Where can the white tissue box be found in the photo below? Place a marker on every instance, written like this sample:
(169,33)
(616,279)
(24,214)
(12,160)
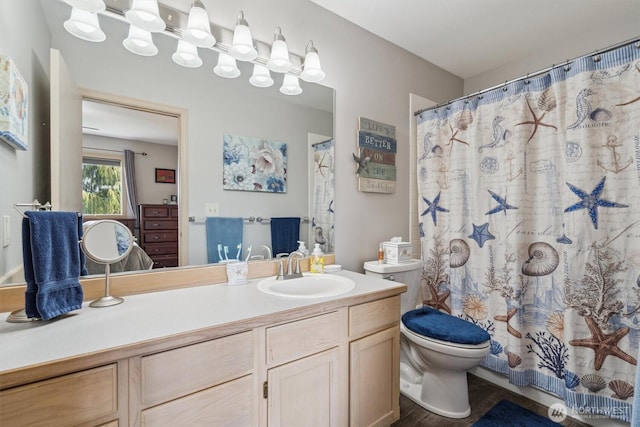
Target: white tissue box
(237,273)
(397,252)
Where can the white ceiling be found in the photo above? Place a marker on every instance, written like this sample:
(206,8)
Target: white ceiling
(119,122)
(469,37)
(464,37)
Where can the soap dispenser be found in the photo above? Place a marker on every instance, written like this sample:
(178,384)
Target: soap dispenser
(303,249)
(316,264)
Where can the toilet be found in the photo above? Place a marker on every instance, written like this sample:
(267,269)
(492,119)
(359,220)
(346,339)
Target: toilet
(436,351)
(433,362)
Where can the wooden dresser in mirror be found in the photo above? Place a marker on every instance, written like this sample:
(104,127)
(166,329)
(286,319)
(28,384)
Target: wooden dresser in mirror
(159,234)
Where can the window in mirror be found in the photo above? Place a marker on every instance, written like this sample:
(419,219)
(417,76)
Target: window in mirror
(102,186)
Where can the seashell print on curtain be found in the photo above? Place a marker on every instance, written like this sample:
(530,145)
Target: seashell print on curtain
(529,204)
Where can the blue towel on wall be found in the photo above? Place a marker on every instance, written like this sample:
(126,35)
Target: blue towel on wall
(223,231)
(53,263)
(285,233)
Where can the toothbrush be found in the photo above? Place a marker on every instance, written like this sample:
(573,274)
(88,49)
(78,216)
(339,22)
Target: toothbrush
(239,250)
(248,253)
(219,252)
(226,253)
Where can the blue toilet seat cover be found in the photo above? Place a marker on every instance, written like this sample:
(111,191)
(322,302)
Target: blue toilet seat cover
(441,326)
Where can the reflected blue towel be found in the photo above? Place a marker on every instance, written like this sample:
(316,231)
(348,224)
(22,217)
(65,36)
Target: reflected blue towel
(223,231)
(285,233)
(53,263)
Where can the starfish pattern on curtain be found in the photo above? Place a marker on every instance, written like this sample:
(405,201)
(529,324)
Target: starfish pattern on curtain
(554,273)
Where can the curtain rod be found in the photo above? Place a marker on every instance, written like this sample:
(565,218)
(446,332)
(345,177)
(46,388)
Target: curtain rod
(115,151)
(537,73)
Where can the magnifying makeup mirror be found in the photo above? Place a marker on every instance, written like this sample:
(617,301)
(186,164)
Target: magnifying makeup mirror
(106,242)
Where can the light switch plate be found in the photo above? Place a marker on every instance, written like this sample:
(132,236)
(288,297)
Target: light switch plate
(212,209)
(6,231)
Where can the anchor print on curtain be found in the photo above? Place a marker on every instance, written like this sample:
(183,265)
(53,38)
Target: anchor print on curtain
(529,204)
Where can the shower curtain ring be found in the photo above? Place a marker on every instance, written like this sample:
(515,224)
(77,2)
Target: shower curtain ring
(567,66)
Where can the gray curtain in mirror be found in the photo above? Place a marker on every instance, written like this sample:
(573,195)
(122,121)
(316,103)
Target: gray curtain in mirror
(130,182)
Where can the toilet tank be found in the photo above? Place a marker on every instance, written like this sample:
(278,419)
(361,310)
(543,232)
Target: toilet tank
(409,273)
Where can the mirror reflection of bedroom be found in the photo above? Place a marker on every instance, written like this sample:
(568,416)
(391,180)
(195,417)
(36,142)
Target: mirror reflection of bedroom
(129,169)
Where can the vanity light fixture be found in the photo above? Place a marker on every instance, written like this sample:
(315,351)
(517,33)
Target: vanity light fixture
(88,5)
(261,76)
(186,55)
(290,85)
(242,47)
(226,67)
(279,60)
(311,69)
(140,42)
(198,31)
(148,16)
(85,25)
(145,14)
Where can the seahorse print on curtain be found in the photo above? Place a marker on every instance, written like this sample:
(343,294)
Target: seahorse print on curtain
(529,210)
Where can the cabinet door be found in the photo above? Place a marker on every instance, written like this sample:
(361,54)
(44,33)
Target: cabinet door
(306,392)
(375,379)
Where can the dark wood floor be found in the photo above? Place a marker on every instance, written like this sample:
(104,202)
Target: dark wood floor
(482,396)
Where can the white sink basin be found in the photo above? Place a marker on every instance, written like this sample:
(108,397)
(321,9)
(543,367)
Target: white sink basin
(308,286)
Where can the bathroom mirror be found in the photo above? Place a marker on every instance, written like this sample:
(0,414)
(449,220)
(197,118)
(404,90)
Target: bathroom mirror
(215,107)
(106,242)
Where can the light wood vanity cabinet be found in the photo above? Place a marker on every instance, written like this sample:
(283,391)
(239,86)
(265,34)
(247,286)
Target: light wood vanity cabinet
(374,363)
(195,385)
(333,368)
(307,378)
(91,397)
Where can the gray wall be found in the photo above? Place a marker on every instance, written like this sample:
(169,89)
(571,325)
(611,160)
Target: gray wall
(24,175)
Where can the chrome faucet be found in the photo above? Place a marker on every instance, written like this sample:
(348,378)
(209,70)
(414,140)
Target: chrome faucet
(293,256)
(268,250)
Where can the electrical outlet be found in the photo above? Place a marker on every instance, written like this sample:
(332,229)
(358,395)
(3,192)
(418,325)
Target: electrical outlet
(6,231)
(212,209)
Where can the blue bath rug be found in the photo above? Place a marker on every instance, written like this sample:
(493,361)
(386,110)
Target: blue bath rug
(508,414)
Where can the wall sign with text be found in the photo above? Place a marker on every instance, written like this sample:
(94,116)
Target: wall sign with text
(376,157)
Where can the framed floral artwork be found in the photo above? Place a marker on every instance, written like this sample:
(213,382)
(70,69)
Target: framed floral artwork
(254,164)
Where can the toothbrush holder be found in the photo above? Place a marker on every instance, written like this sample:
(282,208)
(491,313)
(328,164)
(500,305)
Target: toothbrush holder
(237,273)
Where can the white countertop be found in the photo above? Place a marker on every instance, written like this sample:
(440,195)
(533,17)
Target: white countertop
(151,316)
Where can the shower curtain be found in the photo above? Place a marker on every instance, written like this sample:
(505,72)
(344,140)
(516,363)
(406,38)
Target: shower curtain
(323,195)
(529,203)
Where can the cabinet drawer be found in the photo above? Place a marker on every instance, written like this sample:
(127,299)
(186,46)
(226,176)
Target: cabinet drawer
(154,212)
(228,404)
(162,261)
(68,400)
(303,337)
(160,224)
(159,236)
(373,316)
(161,249)
(206,364)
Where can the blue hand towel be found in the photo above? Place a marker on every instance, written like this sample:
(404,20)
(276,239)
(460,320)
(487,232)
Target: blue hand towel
(285,233)
(53,263)
(223,231)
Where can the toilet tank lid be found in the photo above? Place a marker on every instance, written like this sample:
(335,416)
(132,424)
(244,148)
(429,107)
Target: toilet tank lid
(376,267)
(435,324)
